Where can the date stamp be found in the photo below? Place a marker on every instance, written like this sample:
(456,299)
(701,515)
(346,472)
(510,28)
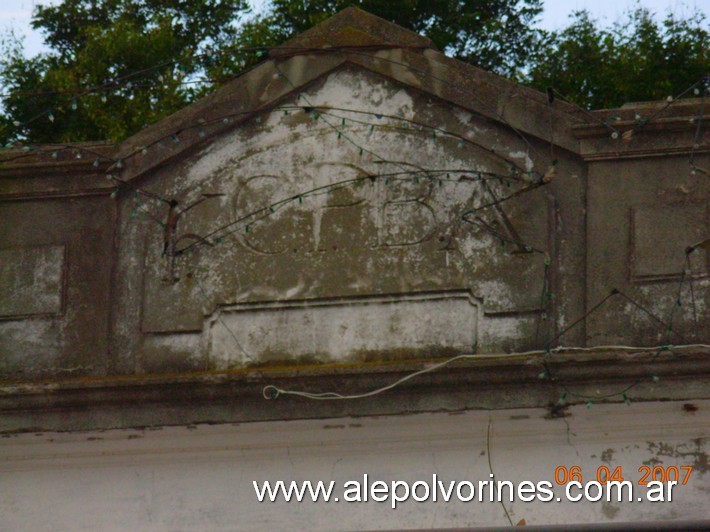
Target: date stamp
(656,482)
(677,474)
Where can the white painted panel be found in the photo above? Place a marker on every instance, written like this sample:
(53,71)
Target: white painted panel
(342,328)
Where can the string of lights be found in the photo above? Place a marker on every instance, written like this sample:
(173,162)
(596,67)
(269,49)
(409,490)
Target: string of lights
(516,170)
(264,212)
(299,197)
(315,112)
(586,112)
(668,324)
(245,222)
(100,158)
(404,126)
(272,208)
(175,138)
(127,80)
(567,392)
(55,149)
(698,88)
(669,328)
(339,131)
(248,220)
(272,392)
(129,76)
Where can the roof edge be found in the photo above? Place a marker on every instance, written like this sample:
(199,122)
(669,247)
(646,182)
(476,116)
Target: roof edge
(353,28)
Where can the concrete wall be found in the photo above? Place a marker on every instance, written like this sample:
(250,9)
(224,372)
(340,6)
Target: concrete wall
(324,250)
(647,205)
(56,256)
(638,239)
(200,477)
(381,268)
(396,236)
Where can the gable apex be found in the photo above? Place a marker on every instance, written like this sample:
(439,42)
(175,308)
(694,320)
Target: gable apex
(353,27)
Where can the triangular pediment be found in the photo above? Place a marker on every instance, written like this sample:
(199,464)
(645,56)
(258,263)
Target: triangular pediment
(352,177)
(353,187)
(357,39)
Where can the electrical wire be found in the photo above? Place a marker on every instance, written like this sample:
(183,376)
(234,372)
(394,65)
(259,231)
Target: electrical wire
(467,94)
(490,464)
(271,391)
(588,113)
(127,78)
(274,206)
(267,211)
(705,80)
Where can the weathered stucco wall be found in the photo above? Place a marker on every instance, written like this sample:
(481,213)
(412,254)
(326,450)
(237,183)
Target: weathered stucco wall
(393,235)
(55,263)
(316,242)
(302,229)
(332,228)
(643,215)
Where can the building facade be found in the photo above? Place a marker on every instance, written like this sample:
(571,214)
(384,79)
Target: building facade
(356,208)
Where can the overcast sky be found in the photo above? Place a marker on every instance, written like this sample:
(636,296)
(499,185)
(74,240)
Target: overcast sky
(16,14)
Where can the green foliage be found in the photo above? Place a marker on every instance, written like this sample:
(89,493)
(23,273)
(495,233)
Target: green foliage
(496,35)
(147,57)
(635,60)
(97,43)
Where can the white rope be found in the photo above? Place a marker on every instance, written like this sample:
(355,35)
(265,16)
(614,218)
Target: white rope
(272,392)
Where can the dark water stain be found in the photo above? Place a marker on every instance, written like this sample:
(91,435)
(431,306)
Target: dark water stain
(609,510)
(692,453)
(607,456)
